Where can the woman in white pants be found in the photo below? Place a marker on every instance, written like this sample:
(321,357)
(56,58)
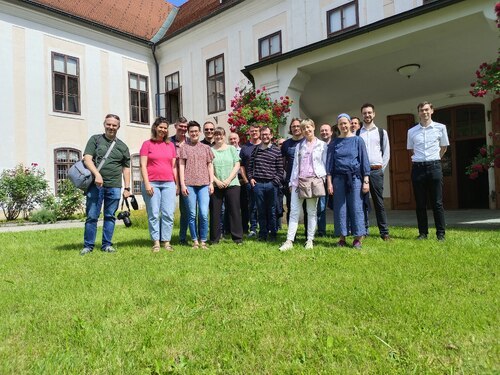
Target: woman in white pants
(309,167)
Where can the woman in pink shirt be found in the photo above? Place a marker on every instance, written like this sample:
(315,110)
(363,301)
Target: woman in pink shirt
(158,172)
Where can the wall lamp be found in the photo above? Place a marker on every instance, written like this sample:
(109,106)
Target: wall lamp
(408,70)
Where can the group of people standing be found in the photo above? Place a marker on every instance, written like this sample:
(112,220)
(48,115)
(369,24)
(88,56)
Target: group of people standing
(240,190)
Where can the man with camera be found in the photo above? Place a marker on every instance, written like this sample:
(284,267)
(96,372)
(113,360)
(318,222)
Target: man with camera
(107,183)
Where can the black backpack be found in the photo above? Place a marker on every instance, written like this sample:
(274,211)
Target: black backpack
(381,135)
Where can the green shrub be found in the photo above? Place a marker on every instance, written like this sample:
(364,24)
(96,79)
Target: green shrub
(44,216)
(68,201)
(22,189)
(139,218)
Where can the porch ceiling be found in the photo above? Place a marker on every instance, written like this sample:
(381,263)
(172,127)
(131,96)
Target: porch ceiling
(448,54)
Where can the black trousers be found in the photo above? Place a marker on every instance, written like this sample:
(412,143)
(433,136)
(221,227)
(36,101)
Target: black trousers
(377,193)
(427,180)
(231,197)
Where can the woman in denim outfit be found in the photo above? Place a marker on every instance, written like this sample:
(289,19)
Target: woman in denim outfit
(348,173)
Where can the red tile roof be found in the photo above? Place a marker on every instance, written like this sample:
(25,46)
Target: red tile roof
(140,18)
(194,11)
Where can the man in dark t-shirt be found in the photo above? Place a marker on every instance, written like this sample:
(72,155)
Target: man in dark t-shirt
(107,183)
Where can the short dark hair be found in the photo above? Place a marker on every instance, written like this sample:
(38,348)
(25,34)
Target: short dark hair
(192,124)
(181,119)
(291,122)
(208,122)
(110,115)
(366,105)
(420,105)
(357,118)
(158,121)
(265,127)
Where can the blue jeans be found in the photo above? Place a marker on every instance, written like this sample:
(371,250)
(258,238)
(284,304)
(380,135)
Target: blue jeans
(163,200)
(184,220)
(95,198)
(265,194)
(322,215)
(198,195)
(348,205)
(252,207)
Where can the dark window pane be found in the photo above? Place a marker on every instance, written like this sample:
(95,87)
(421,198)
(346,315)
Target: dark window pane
(135,114)
(59,102)
(144,115)
(134,98)
(73,104)
(59,83)
(72,86)
(61,172)
(144,100)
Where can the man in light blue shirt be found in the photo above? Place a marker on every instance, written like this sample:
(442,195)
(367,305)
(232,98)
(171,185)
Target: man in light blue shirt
(428,141)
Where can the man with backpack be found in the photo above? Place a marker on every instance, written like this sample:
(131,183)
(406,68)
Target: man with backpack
(377,146)
(107,184)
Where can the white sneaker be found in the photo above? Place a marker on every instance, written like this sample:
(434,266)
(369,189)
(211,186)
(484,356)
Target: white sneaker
(287,245)
(309,245)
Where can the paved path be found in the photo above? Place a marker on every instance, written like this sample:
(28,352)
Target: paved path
(11,227)
(484,219)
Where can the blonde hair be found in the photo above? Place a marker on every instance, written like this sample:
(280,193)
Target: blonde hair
(306,122)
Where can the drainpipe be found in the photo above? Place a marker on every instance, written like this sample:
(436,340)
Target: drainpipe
(157,74)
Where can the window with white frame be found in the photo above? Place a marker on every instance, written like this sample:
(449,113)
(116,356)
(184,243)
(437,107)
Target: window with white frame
(64,158)
(270,45)
(65,84)
(343,18)
(139,98)
(216,95)
(173,97)
(135,167)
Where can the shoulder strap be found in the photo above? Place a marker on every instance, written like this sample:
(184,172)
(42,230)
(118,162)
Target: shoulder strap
(106,156)
(381,135)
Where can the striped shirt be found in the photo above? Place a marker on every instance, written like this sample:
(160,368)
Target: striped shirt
(266,164)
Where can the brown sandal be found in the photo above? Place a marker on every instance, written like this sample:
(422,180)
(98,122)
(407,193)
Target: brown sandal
(168,247)
(156,249)
(195,245)
(204,246)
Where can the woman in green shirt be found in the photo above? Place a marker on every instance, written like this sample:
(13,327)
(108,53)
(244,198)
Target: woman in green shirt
(226,164)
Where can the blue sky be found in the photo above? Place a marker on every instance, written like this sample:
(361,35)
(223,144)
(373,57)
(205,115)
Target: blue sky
(177,2)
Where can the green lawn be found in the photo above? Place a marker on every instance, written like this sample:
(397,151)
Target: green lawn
(401,307)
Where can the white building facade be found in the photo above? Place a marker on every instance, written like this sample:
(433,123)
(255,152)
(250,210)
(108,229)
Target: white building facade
(329,56)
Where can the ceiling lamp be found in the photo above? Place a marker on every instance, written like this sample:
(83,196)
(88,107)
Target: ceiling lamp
(408,70)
